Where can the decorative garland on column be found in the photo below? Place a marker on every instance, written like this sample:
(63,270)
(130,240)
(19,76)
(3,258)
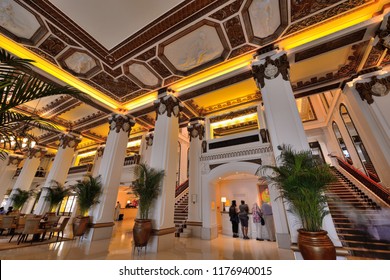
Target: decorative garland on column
(69,141)
(270,69)
(168,104)
(120,122)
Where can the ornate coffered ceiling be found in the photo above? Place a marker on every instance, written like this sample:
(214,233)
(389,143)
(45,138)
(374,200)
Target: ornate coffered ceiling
(127,50)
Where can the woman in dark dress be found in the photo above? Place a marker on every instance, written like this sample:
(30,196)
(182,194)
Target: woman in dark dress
(233,214)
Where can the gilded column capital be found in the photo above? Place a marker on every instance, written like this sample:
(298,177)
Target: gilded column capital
(69,141)
(36,152)
(14,160)
(100,151)
(120,122)
(383,33)
(149,139)
(269,68)
(168,104)
(375,86)
(196,129)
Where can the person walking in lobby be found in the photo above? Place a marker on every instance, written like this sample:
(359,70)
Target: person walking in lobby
(269,220)
(244,218)
(233,214)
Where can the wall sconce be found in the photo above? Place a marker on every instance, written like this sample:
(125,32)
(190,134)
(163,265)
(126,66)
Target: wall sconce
(223,200)
(193,198)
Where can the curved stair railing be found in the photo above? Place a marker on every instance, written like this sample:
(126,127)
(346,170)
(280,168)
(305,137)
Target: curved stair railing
(181,188)
(361,224)
(377,189)
(181,207)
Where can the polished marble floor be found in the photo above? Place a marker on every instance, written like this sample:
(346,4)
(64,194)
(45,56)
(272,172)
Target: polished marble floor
(119,247)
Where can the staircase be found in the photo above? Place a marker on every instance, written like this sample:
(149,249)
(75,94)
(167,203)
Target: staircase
(181,216)
(359,221)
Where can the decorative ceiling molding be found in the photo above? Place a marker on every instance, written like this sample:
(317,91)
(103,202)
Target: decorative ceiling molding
(85,120)
(344,7)
(348,39)
(160,68)
(236,128)
(53,104)
(234,31)
(235,114)
(65,107)
(227,11)
(147,55)
(241,50)
(301,9)
(171,21)
(120,87)
(245,100)
(52,45)
(62,35)
(344,71)
(374,58)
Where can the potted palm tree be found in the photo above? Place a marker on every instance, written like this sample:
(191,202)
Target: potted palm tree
(88,192)
(146,188)
(55,194)
(302,180)
(19,198)
(19,85)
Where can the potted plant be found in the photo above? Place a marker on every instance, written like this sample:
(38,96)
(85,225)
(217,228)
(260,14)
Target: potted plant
(55,194)
(146,188)
(302,180)
(19,198)
(88,192)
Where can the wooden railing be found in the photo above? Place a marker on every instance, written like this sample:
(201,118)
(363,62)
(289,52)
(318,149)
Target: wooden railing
(39,173)
(181,188)
(377,189)
(134,159)
(81,168)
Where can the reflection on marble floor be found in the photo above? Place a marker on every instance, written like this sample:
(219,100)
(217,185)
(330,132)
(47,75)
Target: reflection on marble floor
(119,247)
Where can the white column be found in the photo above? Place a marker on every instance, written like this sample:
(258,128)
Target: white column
(27,174)
(271,72)
(59,169)
(196,132)
(164,156)
(368,103)
(11,164)
(110,170)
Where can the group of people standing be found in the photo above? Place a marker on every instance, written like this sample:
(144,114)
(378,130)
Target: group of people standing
(262,217)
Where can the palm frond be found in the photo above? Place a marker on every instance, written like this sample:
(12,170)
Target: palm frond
(19,198)
(88,192)
(301,180)
(55,194)
(147,186)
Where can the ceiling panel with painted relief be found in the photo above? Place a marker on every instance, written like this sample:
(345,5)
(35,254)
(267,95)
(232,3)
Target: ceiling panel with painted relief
(98,42)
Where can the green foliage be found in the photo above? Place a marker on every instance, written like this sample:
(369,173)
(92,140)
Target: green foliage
(88,192)
(19,198)
(55,194)
(147,186)
(301,180)
(18,85)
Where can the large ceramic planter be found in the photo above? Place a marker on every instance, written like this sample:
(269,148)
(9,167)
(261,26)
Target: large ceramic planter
(141,232)
(80,225)
(316,245)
